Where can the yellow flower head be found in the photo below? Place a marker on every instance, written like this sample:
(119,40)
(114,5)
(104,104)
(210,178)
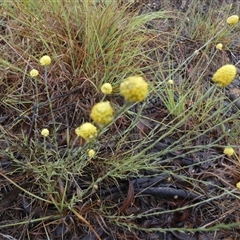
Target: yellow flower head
(102,113)
(229,151)
(91,153)
(45,132)
(45,60)
(106,88)
(87,131)
(134,89)
(219,46)
(34,73)
(225,75)
(232,20)
(170,81)
(238,185)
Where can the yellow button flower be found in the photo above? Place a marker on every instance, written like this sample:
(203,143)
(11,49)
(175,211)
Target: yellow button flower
(225,75)
(45,60)
(219,46)
(170,81)
(91,153)
(34,73)
(45,132)
(87,131)
(102,113)
(229,151)
(232,20)
(238,185)
(106,88)
(134,89)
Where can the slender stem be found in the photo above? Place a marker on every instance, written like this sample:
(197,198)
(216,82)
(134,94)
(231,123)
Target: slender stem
(50,106)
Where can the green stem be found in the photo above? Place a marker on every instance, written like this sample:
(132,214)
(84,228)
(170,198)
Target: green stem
(50,106)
